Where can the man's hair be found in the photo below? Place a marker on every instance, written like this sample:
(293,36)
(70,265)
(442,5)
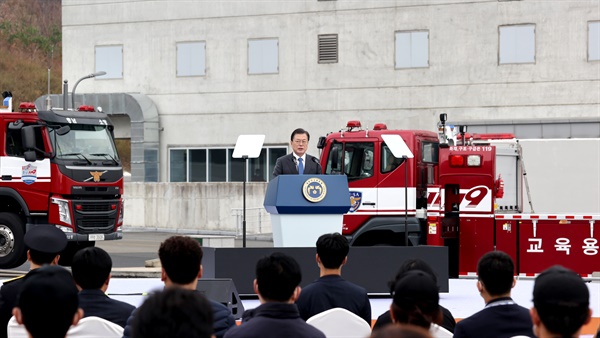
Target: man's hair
(332,250)
(277,276)
(181,257)
(48,301)
(175,313)
(416,300)
(41,258)
(496,271)
(409,265)
(561,300)
(299,131)
(91,267)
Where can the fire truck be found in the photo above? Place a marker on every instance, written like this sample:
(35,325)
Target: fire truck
(59,168)
(452,189)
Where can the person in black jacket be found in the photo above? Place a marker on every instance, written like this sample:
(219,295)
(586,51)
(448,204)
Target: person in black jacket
(331,290)
(44,244)
(298,162)
(181,261)
(174,313)
(277,285)
(501,317)
(448,321)
(91,270)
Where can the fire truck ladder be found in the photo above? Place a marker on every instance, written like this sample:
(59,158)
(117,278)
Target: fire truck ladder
(522,161)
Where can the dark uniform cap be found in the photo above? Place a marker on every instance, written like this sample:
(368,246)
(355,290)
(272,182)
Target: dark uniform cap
(558,285)
(46,239)
(416,286)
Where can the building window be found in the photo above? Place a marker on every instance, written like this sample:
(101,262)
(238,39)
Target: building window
(263,56)
(412,49)
(110,60)
(191,58)
(328,48)
(594,41)
(218,165)
(517,44)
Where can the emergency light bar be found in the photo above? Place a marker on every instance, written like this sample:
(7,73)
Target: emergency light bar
(86,108)
(27,107)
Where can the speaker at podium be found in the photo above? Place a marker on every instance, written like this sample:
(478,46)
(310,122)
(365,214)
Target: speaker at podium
(222,290)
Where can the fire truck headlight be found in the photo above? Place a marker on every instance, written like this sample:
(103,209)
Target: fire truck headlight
(63,210)
(473,160)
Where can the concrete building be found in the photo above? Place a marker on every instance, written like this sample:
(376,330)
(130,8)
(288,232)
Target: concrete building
(212,70)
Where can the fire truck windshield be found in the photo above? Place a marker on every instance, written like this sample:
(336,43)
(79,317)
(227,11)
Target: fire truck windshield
(88,142)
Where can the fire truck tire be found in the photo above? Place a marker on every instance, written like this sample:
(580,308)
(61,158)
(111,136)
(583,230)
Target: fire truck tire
(66,257)
(12,248)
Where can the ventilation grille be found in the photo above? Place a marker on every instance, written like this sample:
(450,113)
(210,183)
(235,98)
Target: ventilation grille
(328,48)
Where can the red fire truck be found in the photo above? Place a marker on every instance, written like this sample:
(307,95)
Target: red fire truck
(457,190)
(58,167)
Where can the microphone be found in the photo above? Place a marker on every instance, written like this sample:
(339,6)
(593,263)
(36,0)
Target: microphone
(316,160)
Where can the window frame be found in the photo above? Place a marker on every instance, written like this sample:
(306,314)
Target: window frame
(249,56)
(190,58)
(595,22)
(98,65)
(500,63)
(396,46)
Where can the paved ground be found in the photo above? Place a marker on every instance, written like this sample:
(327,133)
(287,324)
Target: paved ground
(136,247)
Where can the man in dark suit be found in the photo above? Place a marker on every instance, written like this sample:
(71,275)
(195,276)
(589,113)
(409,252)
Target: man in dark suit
(44,243)
(298,162)
(501,317)
(331,290)
(91,270)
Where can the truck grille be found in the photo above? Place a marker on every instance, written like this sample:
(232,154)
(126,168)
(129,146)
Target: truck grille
(95,217)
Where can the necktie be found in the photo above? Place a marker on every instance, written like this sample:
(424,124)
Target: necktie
(300,166)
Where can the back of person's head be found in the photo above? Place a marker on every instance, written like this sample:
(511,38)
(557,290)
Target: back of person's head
(416,300)
(409,265)
(496,272)
(91,267)
(332,250)
(180,257)
(48,302)
(174,313)
(561,300)
(45,243)
(277,276)
(401,331)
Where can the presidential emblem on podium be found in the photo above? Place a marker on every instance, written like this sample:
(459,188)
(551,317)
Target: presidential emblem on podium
(314,190)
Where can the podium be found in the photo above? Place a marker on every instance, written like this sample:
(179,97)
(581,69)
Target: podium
(304,207)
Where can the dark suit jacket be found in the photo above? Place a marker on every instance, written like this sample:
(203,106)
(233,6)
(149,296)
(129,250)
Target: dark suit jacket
(286,165)
(97,303)
(333,291)
(496,320)
(8,299)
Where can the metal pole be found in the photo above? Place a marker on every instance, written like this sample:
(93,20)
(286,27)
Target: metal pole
(76,83)
(405,200)
(65,94)
(245,157)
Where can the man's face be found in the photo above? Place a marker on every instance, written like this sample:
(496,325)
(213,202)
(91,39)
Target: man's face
(299,144)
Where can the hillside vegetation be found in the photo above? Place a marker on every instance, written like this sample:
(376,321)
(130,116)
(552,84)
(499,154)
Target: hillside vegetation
(30,44)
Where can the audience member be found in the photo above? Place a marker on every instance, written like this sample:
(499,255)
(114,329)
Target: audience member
(47,305)
(561,303)
(174,313)
(501,317)
(448,321)
(331,290)
(401,331)
(91,270)
(181,261)
(277,285)
(44,243)
(416,302)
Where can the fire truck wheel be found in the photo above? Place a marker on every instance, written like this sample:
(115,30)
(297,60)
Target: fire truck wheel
(12,248)
(66,257)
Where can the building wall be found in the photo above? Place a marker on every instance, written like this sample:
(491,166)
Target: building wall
(463,78)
